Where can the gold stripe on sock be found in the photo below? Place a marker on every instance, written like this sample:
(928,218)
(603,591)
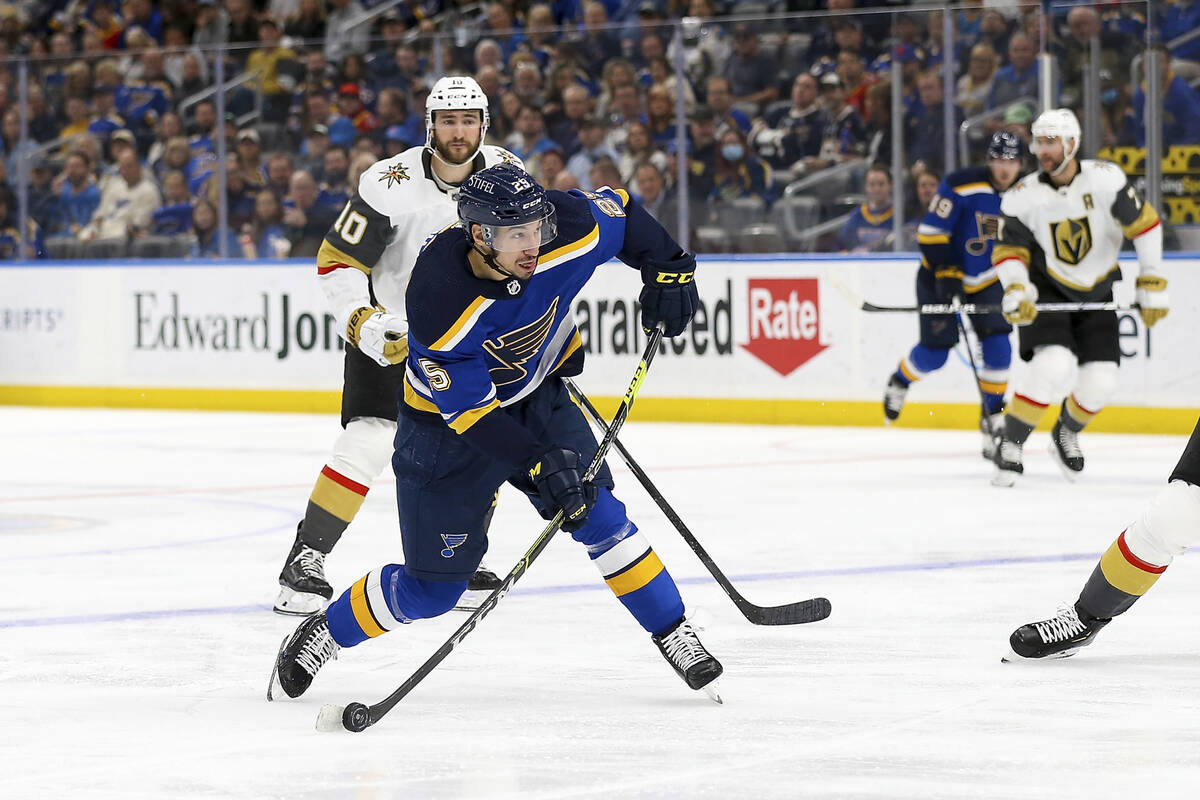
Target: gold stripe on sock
(362,611)
(335,498)
(1026,410)
(1078,412)
(636,576)
(1126,575)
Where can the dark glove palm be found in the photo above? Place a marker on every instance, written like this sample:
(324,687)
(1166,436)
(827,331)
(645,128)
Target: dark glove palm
(672,304)
(556,476)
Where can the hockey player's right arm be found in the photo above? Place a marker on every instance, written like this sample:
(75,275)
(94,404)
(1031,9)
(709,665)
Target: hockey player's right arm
(1011,258)
(1140,224)
(355,243)
(933,237)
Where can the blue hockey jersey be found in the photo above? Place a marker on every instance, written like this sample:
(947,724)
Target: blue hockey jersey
(477,346)
(957,232)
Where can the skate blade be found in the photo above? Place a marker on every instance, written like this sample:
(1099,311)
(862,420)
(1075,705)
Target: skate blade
(1005,478)
(1011,657)
(291,603)
(329,719)
(471,599)
(274,681)
(1068,473)
(713,690)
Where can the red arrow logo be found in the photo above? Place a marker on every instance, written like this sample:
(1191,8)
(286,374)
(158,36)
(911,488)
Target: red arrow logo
(785,322)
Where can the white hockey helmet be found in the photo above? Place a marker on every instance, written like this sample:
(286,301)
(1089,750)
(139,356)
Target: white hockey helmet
(1059,123)
(456,93)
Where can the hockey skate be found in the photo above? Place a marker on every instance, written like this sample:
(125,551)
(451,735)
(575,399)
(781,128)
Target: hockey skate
(482,584)
(682,649)
(303,589)
(893,400)
(1064,447)
(1061,636)
(992,428)
(1008,462)
(301,655)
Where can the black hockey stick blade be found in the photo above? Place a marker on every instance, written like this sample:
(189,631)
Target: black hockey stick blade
(813,610)
(357,717)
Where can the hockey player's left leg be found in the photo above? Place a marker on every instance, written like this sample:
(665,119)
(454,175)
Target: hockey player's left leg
(993,384)
(376,603)
(638,578)
(1096,382)
(919,362)
(1126,571)
(1045,381)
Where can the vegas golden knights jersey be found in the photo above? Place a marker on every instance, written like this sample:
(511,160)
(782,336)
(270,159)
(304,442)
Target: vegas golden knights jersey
(368,255)
(1071,234)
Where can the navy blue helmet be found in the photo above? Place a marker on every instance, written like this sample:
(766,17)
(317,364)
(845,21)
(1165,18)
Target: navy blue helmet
(506,196)
(1005,145)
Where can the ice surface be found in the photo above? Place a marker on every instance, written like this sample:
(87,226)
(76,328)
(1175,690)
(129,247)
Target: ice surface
(140,552)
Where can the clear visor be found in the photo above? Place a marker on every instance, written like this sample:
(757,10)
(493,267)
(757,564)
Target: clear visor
(526,236)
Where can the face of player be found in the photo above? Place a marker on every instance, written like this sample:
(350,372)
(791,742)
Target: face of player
(456,135)
(515,248)
(1004,171)
(1049,152)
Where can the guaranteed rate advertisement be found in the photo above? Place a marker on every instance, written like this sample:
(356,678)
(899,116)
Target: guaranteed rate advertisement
(766,329)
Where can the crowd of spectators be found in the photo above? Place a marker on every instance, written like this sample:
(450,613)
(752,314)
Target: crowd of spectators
(123,131)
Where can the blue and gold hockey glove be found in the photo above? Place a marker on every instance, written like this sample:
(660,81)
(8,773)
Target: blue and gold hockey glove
(669,295)
(556,475)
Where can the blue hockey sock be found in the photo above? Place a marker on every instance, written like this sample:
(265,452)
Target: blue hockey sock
(630,566)
(993,376)
(919,362)
(384,599)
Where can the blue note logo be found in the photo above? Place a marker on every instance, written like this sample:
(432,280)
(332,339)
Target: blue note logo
(452,540)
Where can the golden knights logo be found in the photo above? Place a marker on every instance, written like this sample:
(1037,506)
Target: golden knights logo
(514,348)
(394,174)
(1072,239)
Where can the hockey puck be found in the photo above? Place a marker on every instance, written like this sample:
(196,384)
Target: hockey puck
(356,717)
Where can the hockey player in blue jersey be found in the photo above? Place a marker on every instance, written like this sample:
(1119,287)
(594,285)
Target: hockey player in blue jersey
(955,238)
(491,333)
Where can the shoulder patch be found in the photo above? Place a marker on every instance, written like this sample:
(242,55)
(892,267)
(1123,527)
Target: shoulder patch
(394,174)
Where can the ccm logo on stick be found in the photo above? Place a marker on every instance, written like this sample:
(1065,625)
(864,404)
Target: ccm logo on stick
(785,322)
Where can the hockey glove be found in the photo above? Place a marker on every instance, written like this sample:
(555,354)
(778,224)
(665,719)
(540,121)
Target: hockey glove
(1018,304)
(556,475)
(382,337)
(948,284)
(1152,297)
(669,296)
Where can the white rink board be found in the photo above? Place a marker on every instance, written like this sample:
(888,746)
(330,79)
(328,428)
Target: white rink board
(770,328)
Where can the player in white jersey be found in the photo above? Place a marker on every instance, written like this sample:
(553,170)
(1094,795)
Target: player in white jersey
(1061,230)
(363,267)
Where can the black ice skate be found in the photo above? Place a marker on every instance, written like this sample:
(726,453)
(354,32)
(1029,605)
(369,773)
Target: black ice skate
(1008,462)
(681,647)
(303,589)
(992,427)
(1058,637)
(893,399)
(301,655)
(1064,446)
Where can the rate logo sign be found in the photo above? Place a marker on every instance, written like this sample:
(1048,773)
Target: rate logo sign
(785,322)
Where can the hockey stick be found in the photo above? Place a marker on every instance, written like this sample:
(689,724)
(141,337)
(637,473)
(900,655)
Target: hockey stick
(994,308)
(962,328)
(967,308)
(813,610)
(359,716)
